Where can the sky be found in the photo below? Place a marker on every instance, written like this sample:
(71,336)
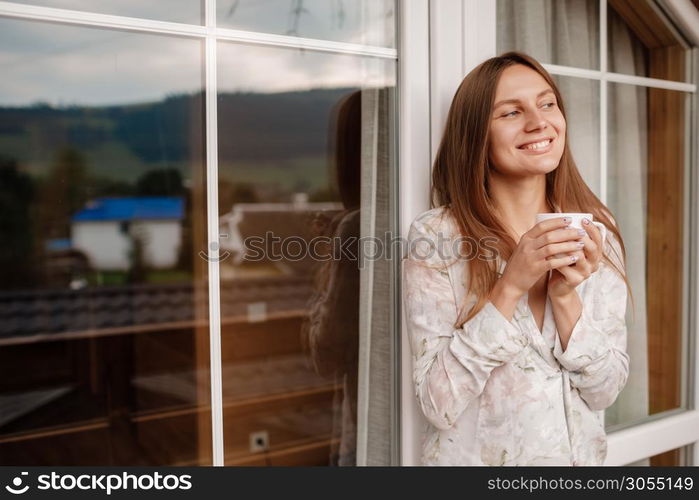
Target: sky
(66,65)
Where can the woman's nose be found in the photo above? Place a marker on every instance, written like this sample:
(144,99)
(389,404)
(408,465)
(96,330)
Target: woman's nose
(535,121)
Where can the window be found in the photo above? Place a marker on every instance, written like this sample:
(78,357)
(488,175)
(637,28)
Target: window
(177,11)
(92,148)
(623,71)
(365,22)
(142,158)
(295,179)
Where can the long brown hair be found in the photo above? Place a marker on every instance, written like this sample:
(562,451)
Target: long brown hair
(461,175)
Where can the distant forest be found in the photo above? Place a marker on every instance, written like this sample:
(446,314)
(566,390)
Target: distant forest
(122,142)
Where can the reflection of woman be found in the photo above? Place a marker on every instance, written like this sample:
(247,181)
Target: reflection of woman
(332,329)
(513,357)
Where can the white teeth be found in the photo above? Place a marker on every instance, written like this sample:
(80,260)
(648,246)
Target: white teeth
(538,145)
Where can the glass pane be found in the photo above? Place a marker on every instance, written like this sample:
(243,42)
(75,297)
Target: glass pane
(365,22)
(626,53)
(103,305)
(305,157)
(581,99)
(564,32)
(679,457)
(176,11)
(640,43)
(647,143)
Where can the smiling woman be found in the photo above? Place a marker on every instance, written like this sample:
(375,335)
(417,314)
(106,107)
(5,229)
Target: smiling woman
(514,356)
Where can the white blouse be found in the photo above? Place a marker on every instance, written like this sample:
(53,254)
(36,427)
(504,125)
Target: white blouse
(499,392)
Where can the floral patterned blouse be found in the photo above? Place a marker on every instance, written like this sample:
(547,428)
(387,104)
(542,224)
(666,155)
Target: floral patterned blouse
(499,392)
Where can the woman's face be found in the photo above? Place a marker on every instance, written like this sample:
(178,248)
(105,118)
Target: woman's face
(527,129)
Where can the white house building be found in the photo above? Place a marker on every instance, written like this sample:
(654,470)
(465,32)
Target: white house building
(106,228)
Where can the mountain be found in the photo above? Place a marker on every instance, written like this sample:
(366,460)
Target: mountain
(259,134)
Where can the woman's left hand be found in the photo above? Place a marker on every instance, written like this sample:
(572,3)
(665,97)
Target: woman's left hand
(564,279)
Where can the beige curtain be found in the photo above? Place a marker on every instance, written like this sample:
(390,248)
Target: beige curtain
(376,375)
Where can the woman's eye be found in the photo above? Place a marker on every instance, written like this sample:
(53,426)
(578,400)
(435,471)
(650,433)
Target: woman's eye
(549,104)
(511,113)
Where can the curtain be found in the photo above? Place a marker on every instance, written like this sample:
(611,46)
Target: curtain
(376,353)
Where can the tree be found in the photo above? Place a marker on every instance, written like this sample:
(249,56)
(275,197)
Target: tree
(17,268)
(160,182)
(63,193)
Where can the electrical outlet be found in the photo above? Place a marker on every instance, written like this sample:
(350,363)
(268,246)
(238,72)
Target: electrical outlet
(259,441)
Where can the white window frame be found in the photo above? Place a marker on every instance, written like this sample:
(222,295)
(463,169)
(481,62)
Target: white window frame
(210,34)
(436,38)
(414,179)
(462,33)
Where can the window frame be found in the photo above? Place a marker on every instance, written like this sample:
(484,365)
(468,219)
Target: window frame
(211,35)
(474,23)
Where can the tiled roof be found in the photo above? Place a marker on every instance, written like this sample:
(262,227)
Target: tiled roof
(94,308)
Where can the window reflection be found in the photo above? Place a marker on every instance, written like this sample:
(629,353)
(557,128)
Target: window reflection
(365,22)
(178,11)
(291,162)
(332,327)
(103,328)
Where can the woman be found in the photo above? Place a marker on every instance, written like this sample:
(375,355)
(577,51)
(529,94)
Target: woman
(331,331)
(518,348)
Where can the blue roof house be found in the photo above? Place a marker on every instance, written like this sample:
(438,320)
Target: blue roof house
(106,228)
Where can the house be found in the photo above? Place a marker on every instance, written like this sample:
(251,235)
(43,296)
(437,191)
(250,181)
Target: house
(105,231)
(249,226)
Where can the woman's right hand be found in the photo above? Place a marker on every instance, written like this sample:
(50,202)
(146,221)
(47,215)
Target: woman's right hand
(536,253)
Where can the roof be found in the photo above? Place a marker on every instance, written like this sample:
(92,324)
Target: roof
(285,221)
(46,311)
(135,208)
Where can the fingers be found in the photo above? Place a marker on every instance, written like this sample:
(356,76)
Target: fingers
(563,261)
(557,236)
(571,276)
(560,248)
(576,270)
(593,231)
(582,265)
(593,252)
(593,244)
(548,225)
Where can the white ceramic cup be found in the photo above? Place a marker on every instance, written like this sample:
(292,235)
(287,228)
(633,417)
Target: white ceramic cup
(575,222)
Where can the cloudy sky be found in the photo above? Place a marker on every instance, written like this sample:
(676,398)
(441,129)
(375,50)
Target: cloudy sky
(68,65)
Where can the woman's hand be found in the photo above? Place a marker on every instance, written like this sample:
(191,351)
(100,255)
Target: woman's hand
(548,245)
(564,279)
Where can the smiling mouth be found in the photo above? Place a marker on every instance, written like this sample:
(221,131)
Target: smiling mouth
(534,146)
